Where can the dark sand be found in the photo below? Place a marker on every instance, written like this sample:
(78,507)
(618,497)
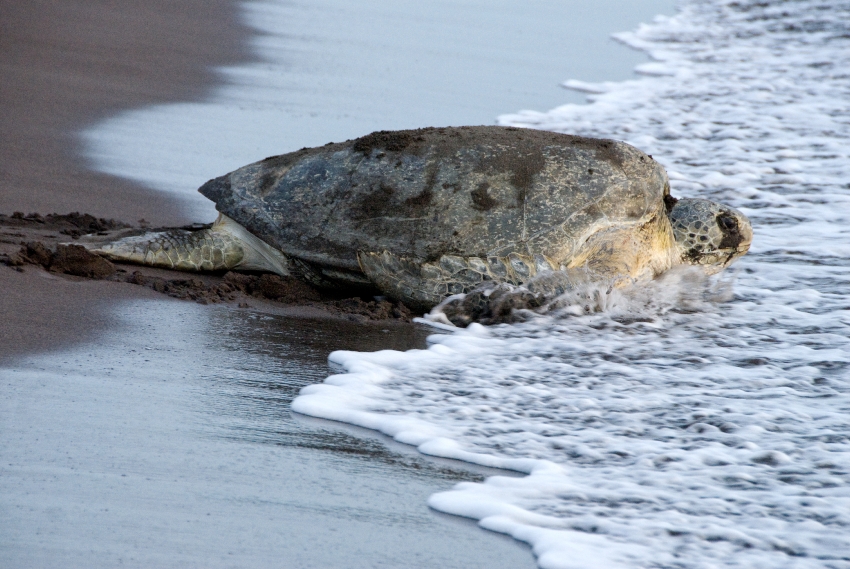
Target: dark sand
(68,63)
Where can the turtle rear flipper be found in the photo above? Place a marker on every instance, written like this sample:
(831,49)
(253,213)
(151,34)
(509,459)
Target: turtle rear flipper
(224,246)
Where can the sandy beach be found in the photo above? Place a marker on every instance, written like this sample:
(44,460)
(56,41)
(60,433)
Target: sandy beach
(67,64)
(187,399)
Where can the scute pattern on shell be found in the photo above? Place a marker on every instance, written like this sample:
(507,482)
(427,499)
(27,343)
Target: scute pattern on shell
(428,193)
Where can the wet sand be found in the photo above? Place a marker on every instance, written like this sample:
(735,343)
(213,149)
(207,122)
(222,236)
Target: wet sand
(168,442)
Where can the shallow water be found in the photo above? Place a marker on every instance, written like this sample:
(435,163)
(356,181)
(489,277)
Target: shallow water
(691,423)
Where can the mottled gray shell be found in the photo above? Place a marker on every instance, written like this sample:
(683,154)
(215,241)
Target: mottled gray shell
(420,194)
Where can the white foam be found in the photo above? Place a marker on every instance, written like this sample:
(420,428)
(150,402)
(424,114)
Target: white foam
(686,425)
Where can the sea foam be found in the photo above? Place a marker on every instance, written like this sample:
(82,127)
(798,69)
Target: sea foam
(689,423)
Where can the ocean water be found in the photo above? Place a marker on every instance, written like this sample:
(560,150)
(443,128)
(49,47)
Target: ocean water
(692,422)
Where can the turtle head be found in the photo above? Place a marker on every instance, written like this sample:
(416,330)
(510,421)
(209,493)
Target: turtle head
(709,234)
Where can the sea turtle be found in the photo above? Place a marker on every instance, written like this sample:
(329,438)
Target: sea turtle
(419,215)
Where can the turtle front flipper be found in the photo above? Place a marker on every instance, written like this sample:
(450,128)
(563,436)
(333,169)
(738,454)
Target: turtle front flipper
(224,246)
(424,285)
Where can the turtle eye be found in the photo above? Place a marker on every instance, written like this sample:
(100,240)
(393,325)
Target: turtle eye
(727,223)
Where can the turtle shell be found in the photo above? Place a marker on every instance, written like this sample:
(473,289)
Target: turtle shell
(420,194)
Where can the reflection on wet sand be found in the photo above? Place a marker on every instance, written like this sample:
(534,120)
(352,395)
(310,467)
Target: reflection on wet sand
(169,442)
(248,399)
